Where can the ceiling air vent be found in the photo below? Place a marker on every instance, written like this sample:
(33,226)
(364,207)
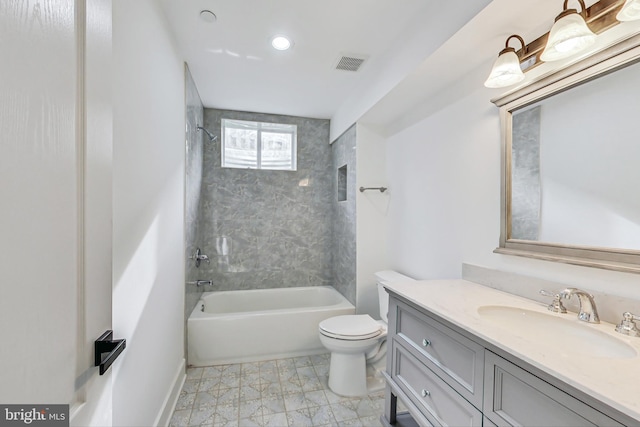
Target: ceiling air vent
(350,62)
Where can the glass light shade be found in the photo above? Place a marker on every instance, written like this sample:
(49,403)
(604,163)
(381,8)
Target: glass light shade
(630,11)
(568,36)
(506,70)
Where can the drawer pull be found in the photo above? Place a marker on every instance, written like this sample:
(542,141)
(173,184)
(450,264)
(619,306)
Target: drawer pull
(426,342)
(426,393)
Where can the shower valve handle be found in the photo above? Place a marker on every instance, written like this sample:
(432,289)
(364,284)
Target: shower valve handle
(198,256)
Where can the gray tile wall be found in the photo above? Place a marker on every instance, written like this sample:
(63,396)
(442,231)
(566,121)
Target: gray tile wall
(344,216)
(194,157)
(525,172)
(268,229)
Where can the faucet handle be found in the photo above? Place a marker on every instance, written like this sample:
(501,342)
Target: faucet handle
(198,256)
(568,292)
(556,306)
(627,326)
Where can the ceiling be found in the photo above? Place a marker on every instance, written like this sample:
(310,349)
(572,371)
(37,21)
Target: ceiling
(235,67)
(423,55)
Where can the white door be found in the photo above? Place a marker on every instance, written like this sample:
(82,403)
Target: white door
(55,204)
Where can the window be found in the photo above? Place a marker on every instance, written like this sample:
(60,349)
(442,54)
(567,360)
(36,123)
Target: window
(257,145)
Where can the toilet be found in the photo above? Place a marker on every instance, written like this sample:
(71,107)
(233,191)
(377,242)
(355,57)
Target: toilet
(358,345)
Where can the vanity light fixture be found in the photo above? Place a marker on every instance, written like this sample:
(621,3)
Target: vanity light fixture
(630,11)
(569,35)
(506,70)
(565,40)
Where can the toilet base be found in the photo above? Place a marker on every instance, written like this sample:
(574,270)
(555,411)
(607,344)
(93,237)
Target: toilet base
(348,374)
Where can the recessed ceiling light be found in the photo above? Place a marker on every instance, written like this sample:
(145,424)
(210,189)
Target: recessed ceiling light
(281,43)
(208,16)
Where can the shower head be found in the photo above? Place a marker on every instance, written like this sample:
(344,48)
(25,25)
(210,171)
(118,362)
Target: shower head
(211,136)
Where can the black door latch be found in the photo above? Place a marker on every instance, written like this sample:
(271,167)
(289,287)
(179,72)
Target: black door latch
(107,345)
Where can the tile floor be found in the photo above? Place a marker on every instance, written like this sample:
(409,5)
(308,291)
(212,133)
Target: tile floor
(280,393)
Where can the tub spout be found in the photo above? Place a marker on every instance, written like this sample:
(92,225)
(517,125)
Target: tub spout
(200,282)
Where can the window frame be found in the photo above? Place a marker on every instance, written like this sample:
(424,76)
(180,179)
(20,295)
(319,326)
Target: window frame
(261,128)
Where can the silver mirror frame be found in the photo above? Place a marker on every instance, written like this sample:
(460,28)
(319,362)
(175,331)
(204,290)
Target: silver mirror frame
(618,56)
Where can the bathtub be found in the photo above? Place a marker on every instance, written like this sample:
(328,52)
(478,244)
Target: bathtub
(264,324)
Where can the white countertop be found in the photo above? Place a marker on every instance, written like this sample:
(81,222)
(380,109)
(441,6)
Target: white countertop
(615,382)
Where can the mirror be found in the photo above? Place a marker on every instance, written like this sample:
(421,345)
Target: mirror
(575,175)
(571,171)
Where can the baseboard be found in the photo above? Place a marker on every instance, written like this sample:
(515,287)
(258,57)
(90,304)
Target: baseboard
(169,404)
(261,358)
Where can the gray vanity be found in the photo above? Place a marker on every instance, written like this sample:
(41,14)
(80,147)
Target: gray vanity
(456,359)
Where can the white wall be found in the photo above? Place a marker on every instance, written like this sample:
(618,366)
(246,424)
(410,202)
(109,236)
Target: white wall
(444,173)
(148,218)
(371,218)
(441,188)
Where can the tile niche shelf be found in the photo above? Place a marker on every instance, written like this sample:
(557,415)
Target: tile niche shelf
(342,183)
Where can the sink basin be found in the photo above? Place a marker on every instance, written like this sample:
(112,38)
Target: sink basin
(561,332)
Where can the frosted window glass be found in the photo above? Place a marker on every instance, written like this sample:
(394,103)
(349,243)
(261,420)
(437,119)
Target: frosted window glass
(240,148)
(276,151)
(257,145)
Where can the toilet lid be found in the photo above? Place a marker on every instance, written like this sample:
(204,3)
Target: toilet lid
(351,327)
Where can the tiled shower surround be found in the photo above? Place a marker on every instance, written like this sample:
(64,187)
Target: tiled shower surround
(194,157)
(263,228)
(344,216)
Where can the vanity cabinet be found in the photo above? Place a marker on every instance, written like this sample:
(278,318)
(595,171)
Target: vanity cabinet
(514,397)
(449,377)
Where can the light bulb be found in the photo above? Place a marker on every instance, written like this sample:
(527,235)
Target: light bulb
(281,43)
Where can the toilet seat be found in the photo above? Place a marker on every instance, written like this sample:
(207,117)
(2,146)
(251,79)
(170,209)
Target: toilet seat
(351,327)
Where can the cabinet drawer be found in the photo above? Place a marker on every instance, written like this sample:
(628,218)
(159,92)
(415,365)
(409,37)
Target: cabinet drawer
(514,397)
(435,399)
(455,358)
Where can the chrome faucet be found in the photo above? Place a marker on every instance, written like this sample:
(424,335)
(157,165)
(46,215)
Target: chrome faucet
(588,311)
(198,256)
(200,282)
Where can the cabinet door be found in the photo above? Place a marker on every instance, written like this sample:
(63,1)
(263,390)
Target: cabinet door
(514,397)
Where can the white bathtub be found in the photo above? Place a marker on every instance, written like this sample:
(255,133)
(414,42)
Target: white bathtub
(248,326)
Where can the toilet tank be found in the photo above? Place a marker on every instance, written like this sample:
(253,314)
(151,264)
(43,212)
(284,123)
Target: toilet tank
(383,278)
